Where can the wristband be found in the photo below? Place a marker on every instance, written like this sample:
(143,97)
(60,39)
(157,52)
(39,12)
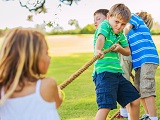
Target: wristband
(63,94)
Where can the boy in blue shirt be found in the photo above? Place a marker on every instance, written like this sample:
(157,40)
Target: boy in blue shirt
(145,60)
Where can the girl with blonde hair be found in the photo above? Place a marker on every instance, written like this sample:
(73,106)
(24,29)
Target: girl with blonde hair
(25,92)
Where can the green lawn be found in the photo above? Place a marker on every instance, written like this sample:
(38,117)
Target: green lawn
(80,103)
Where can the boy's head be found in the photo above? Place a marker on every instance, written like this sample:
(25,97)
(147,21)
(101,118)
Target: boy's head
(118,17)
(147,18)
(99,16)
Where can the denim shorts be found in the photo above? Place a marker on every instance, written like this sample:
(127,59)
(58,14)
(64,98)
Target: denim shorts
(112,88)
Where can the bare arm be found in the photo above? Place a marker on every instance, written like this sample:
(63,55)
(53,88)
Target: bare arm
(49,91)
(99,45)
(124,51)
(127,28)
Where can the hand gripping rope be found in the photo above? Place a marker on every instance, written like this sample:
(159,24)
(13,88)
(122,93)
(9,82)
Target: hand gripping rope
(83,68)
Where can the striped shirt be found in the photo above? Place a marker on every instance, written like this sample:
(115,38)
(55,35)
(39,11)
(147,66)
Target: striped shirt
(142,46)
(110,62)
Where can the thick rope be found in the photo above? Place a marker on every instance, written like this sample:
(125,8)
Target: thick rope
(83,68)
(117,112)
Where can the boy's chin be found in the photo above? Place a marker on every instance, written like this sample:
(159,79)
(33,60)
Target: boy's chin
(116,32)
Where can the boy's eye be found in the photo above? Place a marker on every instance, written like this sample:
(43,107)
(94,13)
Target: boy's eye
(124,24)
(117,22)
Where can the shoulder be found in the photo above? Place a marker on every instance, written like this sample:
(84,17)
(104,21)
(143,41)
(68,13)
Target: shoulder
(104,23)
(103,28)
(136,21)
(50,82)
(48,89)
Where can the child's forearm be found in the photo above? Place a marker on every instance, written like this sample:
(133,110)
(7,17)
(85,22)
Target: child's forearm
(99,45)
(100,42)
(125,51)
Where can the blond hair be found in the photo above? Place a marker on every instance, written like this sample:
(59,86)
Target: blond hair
(120,11)
(19,58)
(147,18)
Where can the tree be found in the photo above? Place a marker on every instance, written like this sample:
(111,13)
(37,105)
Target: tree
(88,29)
(74,22)
(38,7)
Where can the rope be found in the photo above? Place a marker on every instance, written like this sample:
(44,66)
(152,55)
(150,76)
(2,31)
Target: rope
(83,68)
(117,112)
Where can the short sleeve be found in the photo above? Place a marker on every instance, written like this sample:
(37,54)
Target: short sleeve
(135,21)
(103,28)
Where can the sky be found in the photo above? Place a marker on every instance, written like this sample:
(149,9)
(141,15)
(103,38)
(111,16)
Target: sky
(13,15)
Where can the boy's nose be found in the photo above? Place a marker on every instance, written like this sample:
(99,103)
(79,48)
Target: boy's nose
(119,26)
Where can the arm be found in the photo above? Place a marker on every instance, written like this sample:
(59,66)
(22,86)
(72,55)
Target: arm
(124,51)
(99,45)
(49,91)
(127,28)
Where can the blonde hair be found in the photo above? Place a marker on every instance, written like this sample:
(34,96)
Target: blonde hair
(19,58)
(120,11)
(147,18)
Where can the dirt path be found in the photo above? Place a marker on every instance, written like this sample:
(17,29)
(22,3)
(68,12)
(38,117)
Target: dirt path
(69,44)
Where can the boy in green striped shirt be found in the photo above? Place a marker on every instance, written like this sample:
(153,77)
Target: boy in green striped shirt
(111,86)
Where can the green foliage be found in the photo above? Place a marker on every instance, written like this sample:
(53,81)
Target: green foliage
(89,29)
(2,32)
(155,31)
(55,32)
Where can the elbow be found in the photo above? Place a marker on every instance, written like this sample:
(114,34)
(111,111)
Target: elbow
(127,53)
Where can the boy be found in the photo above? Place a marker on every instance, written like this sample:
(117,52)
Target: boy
(145,60)
(111,86)
(99,15)
(126,60)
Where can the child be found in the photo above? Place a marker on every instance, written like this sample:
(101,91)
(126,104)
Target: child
(25,93)
(145,60)
(111,86)
(99,15)
(126,60)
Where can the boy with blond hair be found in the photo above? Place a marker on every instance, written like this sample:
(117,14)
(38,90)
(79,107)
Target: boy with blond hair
(111,86)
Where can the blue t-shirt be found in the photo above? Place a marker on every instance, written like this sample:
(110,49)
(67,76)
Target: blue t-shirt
(141,44)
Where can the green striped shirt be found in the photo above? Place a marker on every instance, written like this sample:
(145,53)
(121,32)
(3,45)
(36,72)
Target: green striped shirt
(110,62)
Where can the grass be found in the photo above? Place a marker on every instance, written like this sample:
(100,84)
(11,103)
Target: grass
(80,103)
